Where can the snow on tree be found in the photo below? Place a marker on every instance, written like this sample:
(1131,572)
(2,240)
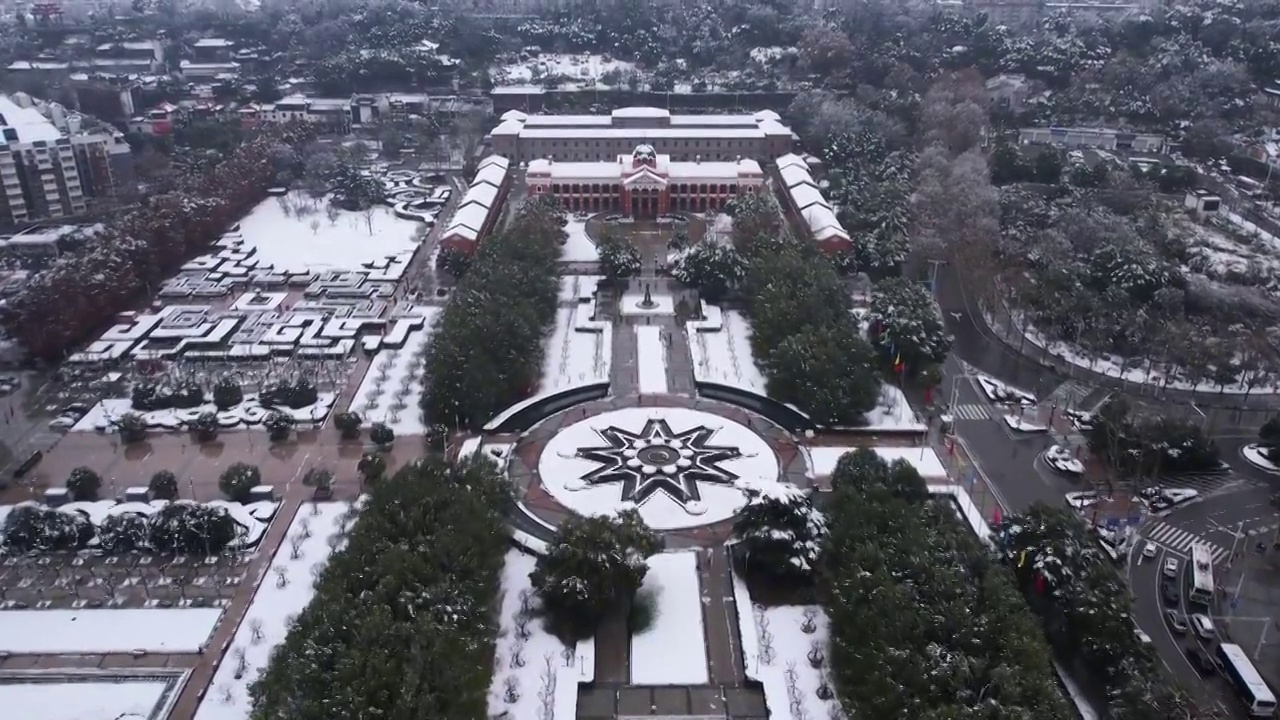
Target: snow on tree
(906,324)
(780,531)
(592,564)
(619,257)
(190,528)
(712,268)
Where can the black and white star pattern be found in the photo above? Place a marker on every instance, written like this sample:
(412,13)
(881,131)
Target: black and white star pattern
(659,460)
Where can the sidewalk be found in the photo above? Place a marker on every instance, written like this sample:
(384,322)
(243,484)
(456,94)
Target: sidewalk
(966,473)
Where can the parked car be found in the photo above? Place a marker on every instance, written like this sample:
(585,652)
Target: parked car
(1203,626)
(1171,567)
(1149,550)
(1171,594)
(1177,621)
(1063,460)
(1201,661)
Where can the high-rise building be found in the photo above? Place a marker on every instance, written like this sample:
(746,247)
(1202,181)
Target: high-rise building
(50,166)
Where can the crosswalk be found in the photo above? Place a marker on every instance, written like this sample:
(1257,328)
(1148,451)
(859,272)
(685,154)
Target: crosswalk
(1181,541)
(1068,394)
(971,411)
(1217,483)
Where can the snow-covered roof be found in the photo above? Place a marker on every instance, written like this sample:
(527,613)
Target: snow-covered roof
(469,216)
(514,115)
(495,161)
(823,223)
(507,127)
(491,176)
(794,176)
(213,43)
(641,112)
(767,115)
(30,125)
(482,195)
(576,170)
(792,159)
(807,195)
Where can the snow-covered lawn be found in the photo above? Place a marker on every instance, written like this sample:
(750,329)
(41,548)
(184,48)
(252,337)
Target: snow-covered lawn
(100,632)
(562,469)
(578,247)
(579,350)
(97,696)
(651,356)
(720,347)
(303,239)
(672,650)
(583,70)
(893,413)
(525,651)
(1255,456)
(578,288)
(776,644)
(283,593)
(245,416)
(392,388)
(253,519)
(822,460)
(1223,257)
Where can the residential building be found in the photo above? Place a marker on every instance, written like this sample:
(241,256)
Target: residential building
(208,70)
(132,56)
(643,184)
(1009,91)
(480,207)
(805,199)
(49,166)
(213,50)
(595,138)
(1101,138)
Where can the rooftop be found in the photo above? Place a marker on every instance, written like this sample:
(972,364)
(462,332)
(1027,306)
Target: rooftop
(30,124)
(213,43)
(639,123)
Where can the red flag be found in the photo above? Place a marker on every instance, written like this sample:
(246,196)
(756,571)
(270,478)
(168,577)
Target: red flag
(1040,584)
(995,517)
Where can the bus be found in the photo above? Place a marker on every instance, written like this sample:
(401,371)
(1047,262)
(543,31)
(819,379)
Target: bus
(1200,591)
(1248,683)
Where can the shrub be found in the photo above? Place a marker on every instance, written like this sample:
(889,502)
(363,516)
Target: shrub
(132,427)
(35,528)
(320,478)
(239,480)
(712,268)
(371,466)
(454,261)
(164,485)
(278,426)
(125,532)
(227,393)
(84,484)
(187,395)
(348,425)
(382,435)
(297,394)
(186,528)
(780,533)
(206,427)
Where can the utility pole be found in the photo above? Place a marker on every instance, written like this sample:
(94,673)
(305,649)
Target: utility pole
(1239,533)
(1262,640)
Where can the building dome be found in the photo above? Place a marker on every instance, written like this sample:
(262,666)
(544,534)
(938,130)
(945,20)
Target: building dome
(644,151)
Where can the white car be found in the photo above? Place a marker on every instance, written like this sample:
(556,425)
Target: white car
(1171,567)
(1203,626)
(1149,550)
(1063,460)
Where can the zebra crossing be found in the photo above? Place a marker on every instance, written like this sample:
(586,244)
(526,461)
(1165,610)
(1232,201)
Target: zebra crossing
(1217,483)
(1181,541)
(1068,394)
(971,411)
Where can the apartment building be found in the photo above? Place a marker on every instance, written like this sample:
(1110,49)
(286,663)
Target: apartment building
(49,167)
(595,138)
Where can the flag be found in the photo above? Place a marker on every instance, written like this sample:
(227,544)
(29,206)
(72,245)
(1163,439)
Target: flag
(897,363)
(995,517)
(1022,559)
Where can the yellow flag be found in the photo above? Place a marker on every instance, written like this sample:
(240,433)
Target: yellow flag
(1022,560)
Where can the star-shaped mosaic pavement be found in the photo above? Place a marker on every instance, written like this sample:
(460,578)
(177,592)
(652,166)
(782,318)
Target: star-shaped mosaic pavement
(657,459)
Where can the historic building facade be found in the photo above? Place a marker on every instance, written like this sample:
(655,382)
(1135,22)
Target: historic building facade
(643,184)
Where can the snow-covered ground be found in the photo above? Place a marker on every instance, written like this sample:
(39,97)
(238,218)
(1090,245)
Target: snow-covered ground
(1221,256)
(276,602)
(562,470)
(651,357)
(392,388)
(672,650)
(578,248)
(579,350)
(893,413)
(822,461)
(1017,423)
(524,649)
(776,644)
(999,392)
(303,239)
(253,518)
(720,347)
(245,416)
(100,632)
(633,304)
(583,70)
(87,698)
